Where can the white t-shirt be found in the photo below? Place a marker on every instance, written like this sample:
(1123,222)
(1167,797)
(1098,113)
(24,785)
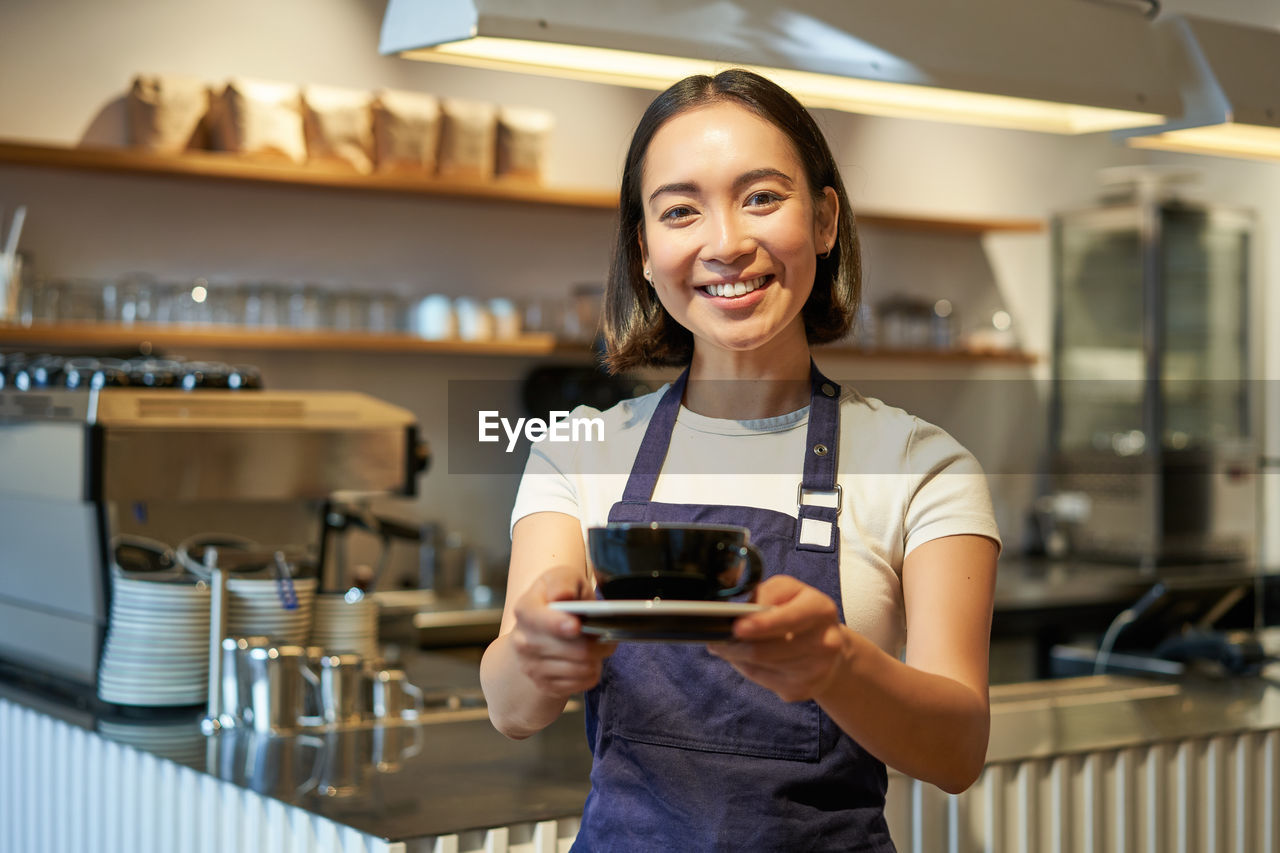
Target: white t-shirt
(904,482)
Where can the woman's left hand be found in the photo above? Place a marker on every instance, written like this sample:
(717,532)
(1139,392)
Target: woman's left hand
(796,647)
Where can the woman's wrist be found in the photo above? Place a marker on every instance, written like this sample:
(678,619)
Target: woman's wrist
(845,668)
(517,707)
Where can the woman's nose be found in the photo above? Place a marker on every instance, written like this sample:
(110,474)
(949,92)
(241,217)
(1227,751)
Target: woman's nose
(727,239)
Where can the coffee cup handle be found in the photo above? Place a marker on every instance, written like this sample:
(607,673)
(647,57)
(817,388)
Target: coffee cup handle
(317,763)
(317,691)
(419,740)
(754,574)
(419,701)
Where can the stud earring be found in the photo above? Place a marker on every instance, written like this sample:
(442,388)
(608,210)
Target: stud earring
(827,253)
(648,274)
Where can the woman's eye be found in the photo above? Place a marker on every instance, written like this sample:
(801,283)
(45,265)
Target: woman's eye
(764,197)
(677,213)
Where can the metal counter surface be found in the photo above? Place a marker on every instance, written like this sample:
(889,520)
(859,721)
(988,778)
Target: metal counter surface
(412,781)
(1032,593)
(1038,583)
(452,773)
(1048,602)
(1028,583)
(1079,715)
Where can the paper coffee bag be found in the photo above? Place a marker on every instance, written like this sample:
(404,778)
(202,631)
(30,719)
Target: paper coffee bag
(468,131)
(524,136)
(260,119)
(167,112)
(406,131)
(338,125)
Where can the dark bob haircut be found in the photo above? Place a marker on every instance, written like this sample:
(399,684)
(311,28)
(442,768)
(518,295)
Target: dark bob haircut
(638,331)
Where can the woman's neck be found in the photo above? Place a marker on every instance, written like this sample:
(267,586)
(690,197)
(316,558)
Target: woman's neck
(759,383)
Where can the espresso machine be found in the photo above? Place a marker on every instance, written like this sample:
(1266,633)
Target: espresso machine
(81,467)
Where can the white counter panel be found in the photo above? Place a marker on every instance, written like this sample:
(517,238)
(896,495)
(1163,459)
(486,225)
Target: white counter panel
(1201,795)
(66,790)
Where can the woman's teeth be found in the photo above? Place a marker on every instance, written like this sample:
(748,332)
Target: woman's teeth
(738,288)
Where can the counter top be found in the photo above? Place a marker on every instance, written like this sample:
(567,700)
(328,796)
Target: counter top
(1029,583)
(1031,592)
(457,773)
(1095,713)
(451,773)
(1056,601)
(1024,583)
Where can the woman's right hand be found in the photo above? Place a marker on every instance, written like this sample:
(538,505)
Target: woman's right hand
(549,645)
(540,657)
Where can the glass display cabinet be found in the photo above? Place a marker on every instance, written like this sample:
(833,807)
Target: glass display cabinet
(1151,411)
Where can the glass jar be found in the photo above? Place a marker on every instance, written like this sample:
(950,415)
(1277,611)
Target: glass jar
(304,307)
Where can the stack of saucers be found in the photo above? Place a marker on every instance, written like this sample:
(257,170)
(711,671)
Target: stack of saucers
(157,649)
(263,608)
(346,624)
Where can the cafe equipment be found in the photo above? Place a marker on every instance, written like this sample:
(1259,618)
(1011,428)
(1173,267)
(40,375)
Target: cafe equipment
(1210,623)
(236,691)
(79,467)
(452,596)
(346,624)
(342,688)
(283,689)
(11,265)
(26,372)
(392,696)
(343,516)
(279,677)
(1151,421)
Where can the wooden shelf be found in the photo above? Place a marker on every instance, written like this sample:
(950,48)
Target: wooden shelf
(942,225)
(202,165)
(98,336)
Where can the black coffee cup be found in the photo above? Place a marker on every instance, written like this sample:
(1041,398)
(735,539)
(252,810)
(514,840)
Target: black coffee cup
(673,562)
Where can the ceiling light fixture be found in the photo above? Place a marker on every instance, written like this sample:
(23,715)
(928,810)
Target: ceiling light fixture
(1229,79)
(1058,66)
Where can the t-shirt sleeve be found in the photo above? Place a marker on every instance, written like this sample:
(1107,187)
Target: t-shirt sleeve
(951,495)
(545,485)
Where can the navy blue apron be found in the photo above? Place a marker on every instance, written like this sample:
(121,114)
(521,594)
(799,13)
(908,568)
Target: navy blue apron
(691,756)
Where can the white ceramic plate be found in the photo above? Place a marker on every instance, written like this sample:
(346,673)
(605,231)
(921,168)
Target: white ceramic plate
(159,612)
(278,615)
(159,682)
(127,586)
(168,646)
(658,621)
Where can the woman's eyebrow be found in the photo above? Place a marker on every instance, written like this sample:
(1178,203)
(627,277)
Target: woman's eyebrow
(682,187)
(760,174)
(691,188)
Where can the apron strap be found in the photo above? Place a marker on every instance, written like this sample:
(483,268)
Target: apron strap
(817,530)
(653,452)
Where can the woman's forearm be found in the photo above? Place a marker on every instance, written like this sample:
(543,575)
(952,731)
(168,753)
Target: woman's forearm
(517,707)
(539,660)
(922,724)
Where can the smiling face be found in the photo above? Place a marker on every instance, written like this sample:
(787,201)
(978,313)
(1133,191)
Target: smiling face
(731,229)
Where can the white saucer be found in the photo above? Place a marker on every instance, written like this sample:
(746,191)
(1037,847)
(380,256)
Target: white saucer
(658,621)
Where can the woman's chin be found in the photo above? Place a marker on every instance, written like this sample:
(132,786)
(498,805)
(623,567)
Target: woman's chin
(742,342)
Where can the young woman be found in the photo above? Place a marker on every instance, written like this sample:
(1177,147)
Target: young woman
(735,252)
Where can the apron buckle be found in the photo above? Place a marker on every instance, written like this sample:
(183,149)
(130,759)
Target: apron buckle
(800,504)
